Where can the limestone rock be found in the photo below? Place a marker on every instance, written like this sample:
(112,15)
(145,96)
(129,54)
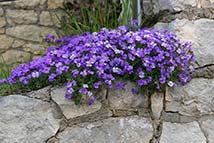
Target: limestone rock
(26,120)
(21,16)
(182,133)
(2,22)
(30,32)
(57,16)
(125,99)
(36,49)
(45,19)
(157,100)
(14,56)
(6,3)
(42,94)
(5,42)
(173,5)
(2,30)
(194,99)
(68,107)
(113,130)
(199,32)
(208,127)
(205,3)
(53,4)
(18,43)
(1,11)
(27,4)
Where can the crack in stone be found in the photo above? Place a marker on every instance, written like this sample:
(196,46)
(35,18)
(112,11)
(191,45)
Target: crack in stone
(204,133)
(157,123)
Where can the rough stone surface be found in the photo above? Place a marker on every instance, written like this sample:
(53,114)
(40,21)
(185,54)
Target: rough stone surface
(57,16)
(26,120)
(18,43)
(30,32)
(6,3)
(157,100)
(208,127)
(172,5)
(45,19)
(113,130)
(2,30)
(206,72)
(194,99)
(1,11)
(14,56)
(21,16)
(5,42)
(36,49)
(182,133)
(53,4)
(27,4)
(42,94)
(199,32)
(205,3)
(125,99)
(68,107)
(2,22)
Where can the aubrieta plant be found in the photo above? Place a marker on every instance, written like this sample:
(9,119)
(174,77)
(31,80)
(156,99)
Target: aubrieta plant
(106,59)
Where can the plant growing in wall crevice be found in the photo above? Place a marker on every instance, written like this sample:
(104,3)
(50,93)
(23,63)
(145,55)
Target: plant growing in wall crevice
(104,59)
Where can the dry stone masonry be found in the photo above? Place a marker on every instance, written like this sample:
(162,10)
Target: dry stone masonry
(23,25)
(180,115)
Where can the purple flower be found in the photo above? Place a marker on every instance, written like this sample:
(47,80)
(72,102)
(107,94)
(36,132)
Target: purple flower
(75,73)
(51,77)
(119,85)
(49,37)
(83,90)
(162,80)
(91,100)
(97,84)
(146,56)
(141,82)
(68,96)
(35,74)
(72,83)
(135,91)
(3,80)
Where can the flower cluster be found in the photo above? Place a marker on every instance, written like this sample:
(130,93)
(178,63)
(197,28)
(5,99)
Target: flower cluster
(90,61)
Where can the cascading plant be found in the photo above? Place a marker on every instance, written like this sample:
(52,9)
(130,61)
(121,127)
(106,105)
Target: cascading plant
(106,59)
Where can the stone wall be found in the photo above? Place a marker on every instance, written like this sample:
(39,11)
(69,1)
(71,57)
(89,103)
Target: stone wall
(24,24)
(180,115)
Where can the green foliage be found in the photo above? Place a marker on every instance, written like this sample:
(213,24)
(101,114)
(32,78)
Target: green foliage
(91,19)
(5,70)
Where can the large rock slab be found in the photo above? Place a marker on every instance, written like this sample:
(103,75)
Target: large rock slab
(172,5)
(27,4)
(182,133)
(194,99)
(21,16)
(45,19)
(113,130)
(125,99)
(42,94)
(29,32)
(53,4)
(157,104)
(1,11)
(14,56)
(199,32)
(2,22)
(26,120)
(68,107)
(5,42)
(208,127)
